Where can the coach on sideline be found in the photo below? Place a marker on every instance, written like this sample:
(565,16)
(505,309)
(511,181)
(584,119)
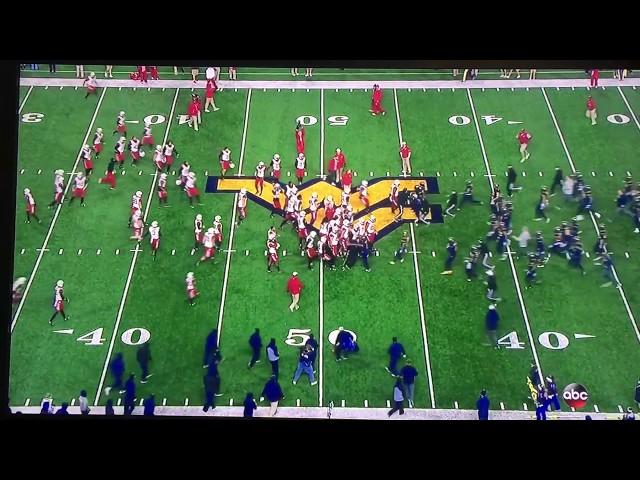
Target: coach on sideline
(294,287)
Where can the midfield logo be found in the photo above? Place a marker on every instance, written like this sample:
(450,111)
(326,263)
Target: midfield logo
(378,189)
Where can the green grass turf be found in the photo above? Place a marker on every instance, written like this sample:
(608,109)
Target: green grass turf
(375,305)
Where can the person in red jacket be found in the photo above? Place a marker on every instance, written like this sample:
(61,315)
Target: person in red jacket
(333,170)
(299,138)
(376,101)
(294,287)
(142,73)
(154,72)
(198,102)
(591,110)
(595,75)
(192,111)
(210,92)
(347,181)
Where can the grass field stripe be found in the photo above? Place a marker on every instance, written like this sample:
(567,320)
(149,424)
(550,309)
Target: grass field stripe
(634,324)
(321,275)
(24,100)
(525,316)
(133,265)
(635,119)
(423,324)
(225,279)
(55,218)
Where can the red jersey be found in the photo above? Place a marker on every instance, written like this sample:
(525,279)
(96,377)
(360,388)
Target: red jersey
(405,151)
(294,285)
(591,104)
(524,137)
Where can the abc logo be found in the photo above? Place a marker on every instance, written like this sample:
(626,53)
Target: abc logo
(575,395)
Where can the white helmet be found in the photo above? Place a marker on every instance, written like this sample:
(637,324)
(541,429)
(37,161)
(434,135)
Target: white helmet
(261,164)
(138,194)
(154,223)
(59,172)
(60,283)
(86,147)
(123,139)
(276,156)
(349,208)
(147,124)
(198,217)
(403,144)
(92,75)
(27,191)
(313,234)
(80,174)
(158,147)
(99,130)
(372,219)
(338,150)
(210,231)
(329,198)
(243,190)
(217,218)
(396,182)
(163,175)
(190,275)
(364,183)
(192,175)
(122,113)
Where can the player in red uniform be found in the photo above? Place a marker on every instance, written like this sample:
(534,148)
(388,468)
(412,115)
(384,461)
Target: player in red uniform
(79,188)
(142,73)
(169,151)
(276,167)
(209,247)
(595,76)
(393,196)
(242,206)
(134,150)
(31,206)
(217,231)
(158,158)
(92,85)
(147,136)
(58,188)
(259,180)
(225,161)
(198,103)
(162,190)
(364,195)
(97,142)
(300,165)
(121,125)
(405,156)
(209,94)
(198,230)
(311,251)
(87,163)
(119,151)
(192,111)
(376,101)
(342,162)
(154,238)
(591,110)
(300,138)
(276,192)
(109,175)
(136,206)
(192,190)
(192,291)
(523,139)
(138,225)
(272,253)
(58,302)
(154,72)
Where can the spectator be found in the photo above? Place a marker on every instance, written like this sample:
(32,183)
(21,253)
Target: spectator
(409,374)
(256,345)
(294,287)
(175,70)
(273,393)
(309,73)
(233,73)
(249,406)
(194,74)
(52,68)
(149,405)
(304,366)
(532,74)
(398,398)
(62,410)
(492,321)
(483,406)
(294,71)
(629,415)
(79,71)
(273,356)
(108,409)
(84,403)
(143,355)
(108,71)
(130,394)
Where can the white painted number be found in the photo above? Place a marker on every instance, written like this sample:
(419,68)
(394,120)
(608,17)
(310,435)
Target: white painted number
(511,341)
(183,119)
(92,338)
(490,119)
(297,332)
(561,341)
(459,120)
(306,120)
(338,120)
(144,336)
(154,119)
(32,117)
(618,118)
(333,336)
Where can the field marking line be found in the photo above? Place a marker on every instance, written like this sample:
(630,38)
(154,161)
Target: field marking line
(133,263)
(321,280)
(55,218)
(24,100)
(417,276)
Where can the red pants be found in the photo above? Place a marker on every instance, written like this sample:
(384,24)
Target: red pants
(594,81)
(154,73)
(376,107)
(110,178)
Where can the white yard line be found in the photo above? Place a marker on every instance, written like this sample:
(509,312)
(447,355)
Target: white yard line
(335,84)
(525,316)
(593,220)
(635,119)
(321,268)
(55,218)
(123,301)
(24,100)
(225,280)
(417,276)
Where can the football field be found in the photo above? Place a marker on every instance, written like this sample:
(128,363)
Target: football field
(569,326)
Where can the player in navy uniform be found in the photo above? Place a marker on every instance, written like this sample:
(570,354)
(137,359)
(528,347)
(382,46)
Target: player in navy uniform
(552,392)
(452,251)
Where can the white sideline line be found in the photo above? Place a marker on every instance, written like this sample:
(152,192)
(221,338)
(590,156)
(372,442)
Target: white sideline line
(321,269)
(133,263)
(593,220)
(233,219)
(55,218)
(24,100)
(509,252)
(423,324)
(635,119)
